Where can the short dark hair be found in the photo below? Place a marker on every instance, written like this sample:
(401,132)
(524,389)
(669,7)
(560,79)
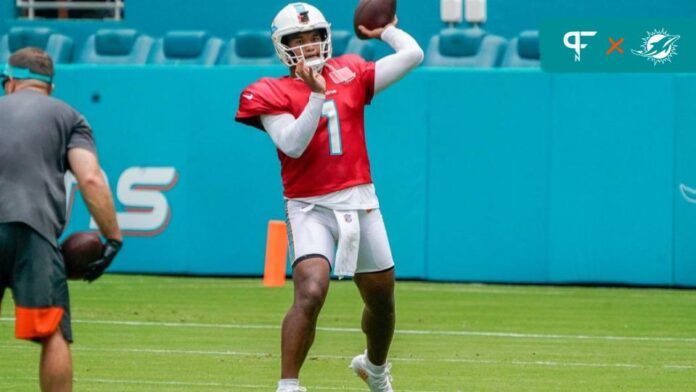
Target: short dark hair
(34,59)
(286,38)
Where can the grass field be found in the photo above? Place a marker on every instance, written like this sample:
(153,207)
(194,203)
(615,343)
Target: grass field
(136,333)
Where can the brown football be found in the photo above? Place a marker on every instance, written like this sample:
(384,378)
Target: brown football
(79,250)
(373,14)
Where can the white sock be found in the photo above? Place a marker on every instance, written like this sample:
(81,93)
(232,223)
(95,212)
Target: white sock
(288,382)
(374,368)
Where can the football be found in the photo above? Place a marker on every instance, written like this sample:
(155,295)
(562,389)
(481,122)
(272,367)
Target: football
(79,250)
(373,14)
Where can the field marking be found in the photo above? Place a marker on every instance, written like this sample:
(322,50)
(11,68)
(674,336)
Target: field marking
(483,288)
(193,384)
(176,383)
(393,359)
(512,335)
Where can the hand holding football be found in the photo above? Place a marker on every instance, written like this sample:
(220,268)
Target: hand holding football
(373,14)
(79,251)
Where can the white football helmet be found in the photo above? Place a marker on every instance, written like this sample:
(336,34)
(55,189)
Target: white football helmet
(298,18)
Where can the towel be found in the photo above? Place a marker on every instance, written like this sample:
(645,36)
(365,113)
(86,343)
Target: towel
(348,243)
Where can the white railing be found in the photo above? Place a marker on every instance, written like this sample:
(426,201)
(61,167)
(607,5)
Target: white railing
(32,5)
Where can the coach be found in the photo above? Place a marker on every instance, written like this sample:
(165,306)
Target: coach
(40,139)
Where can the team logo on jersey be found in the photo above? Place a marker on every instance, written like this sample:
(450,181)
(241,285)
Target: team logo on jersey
(342,75)
(688,193)
(659,47)
(348,218)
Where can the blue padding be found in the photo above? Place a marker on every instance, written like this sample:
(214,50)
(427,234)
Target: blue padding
(345,42)
(4,49)
(339,42)
(185,44)
(529,45)
(253,44)
(523,51)
(21,37)
(59,47)
(455,47)
(195,47)
(363,48)
(116,46)
(250,48)
(460,43)
(115,42)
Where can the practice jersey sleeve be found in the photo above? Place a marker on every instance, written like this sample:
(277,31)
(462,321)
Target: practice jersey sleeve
(261,98)
(365,74)
(392,68)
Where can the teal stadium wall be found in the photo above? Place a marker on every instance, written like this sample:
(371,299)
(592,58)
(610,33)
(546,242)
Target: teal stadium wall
(483,175)
(421,18)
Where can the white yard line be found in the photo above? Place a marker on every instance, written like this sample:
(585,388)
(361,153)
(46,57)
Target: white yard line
(511,335)
(193,384)
(445,287)
(347,358)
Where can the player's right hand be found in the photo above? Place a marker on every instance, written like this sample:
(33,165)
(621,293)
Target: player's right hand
(377,33)
(311,77)
(97,268)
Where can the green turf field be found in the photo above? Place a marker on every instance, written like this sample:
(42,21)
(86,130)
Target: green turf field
(136,333)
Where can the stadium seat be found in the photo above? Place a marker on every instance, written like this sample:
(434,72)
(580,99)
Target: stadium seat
(473,47)
(345,42)
(339,41)
(523,51)
(116,46)
(249,48)
(186,47)
(58,46)
(366,49)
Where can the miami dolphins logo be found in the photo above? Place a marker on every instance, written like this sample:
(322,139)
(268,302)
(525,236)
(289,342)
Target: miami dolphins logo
(659,47)
(688,193)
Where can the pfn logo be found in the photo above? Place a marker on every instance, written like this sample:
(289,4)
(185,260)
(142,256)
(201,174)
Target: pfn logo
(573,40)
(141,191)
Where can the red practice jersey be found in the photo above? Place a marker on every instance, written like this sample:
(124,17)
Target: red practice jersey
(336,157)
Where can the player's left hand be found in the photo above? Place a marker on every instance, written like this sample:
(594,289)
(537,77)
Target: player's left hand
(377,33)
(96,269)
(313,79)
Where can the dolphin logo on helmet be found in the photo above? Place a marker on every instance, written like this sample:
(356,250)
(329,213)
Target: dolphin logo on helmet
(299,18)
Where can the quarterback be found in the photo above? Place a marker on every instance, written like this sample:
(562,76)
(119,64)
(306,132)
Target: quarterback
(315,118)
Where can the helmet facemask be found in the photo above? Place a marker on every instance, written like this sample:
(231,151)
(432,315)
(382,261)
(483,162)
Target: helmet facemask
(290,56)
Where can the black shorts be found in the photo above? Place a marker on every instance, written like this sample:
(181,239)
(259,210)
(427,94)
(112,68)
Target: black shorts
(35,272)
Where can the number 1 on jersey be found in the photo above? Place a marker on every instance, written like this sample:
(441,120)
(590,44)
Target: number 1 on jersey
(330,111)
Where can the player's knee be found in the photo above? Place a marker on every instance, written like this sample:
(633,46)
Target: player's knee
(382,303)
(311,298)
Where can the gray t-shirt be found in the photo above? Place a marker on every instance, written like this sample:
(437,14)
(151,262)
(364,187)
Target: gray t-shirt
(36,132)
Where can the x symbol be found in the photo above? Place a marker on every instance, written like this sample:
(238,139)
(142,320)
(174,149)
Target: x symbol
(615,45)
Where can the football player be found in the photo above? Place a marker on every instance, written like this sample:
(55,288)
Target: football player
(315,117)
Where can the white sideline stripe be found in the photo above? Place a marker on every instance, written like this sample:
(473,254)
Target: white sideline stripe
(195,384)
(179,383)
(135,282)
(393,359)
(514,335)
